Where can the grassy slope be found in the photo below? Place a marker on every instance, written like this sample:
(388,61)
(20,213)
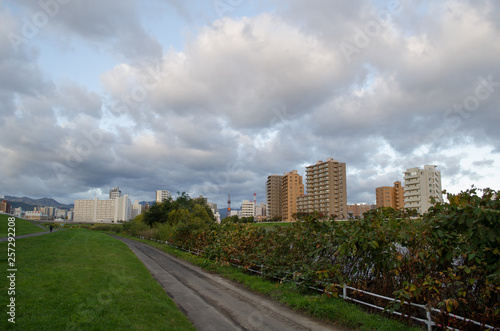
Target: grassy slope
(80,279)
(22,226)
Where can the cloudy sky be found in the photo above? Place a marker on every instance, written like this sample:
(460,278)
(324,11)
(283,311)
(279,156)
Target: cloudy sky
(210,97)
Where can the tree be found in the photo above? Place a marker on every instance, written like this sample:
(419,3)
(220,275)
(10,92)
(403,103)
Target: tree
(181,210)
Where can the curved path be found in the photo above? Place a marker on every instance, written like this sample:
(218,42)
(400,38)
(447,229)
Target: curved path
(214,303)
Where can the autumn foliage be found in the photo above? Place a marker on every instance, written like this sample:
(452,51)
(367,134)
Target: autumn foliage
(448,259)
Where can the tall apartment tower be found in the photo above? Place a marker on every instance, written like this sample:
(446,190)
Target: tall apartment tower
(273,196)
(388,196)
(326,189)
(115,193)
(162,195)
(420,186)
(291,189)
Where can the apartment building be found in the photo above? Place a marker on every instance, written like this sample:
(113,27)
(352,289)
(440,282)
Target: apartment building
(5,206)
(357,210)
(115,193)
(291,189)
(247,208)
(390,196)
(136,209)
(103,211)
(326,189)
(162,195)
(260,209)
(35,215)
(273,196)
(420,186)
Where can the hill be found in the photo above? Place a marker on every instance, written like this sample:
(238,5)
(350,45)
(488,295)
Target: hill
(27,203)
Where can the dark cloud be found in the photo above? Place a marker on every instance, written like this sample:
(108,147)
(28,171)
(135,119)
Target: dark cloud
(103,24)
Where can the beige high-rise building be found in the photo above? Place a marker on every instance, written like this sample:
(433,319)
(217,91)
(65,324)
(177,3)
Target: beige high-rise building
(388,196)
(326,189)
(420,186)
(273,196)
(162,195)
(291,189)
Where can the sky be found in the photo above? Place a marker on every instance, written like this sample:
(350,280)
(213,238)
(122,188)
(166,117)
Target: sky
(211,97)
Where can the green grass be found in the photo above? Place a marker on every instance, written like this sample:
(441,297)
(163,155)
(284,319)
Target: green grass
(84,280)
(334,310)
(272,225)
(22,226)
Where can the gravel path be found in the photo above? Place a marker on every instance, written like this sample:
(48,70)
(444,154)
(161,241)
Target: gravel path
(212,302)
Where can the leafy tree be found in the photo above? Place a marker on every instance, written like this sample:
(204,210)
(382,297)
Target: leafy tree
(180,210)
(231,219)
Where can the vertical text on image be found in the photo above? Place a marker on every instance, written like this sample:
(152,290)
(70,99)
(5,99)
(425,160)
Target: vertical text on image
(11,271)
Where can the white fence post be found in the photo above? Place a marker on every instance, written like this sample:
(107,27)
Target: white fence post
(429,319)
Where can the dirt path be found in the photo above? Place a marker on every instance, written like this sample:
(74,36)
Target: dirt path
(27,235)
(215,303)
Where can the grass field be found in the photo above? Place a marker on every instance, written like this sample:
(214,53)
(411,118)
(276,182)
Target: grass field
(22,226)
(78,279)
(272,225)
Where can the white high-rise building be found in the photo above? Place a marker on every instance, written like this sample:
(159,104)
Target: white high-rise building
(247,209)
(162,195)
(136,209)
(215,211)
(115,193)
(103,211)
(260,209)
(123,209)
(420,186)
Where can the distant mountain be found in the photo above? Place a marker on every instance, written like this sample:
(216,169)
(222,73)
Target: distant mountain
(43,202)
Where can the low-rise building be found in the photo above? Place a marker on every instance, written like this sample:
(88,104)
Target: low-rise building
(35,215)
(357,210)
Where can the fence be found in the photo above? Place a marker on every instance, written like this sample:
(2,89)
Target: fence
(428,310)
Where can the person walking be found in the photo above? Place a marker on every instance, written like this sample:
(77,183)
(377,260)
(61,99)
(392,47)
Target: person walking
(50,227)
